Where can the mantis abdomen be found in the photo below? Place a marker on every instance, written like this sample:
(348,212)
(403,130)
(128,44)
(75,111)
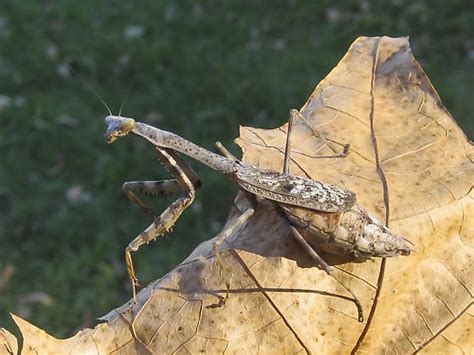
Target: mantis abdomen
(354,232)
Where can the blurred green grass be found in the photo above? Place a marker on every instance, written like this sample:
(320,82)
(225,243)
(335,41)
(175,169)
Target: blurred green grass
(197,68)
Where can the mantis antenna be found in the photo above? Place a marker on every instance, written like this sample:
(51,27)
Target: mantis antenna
(126,98)
(90,88)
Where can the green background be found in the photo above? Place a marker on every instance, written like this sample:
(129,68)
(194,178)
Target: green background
(197,68)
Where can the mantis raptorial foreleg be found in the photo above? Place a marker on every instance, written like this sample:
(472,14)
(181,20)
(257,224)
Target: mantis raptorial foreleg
(160,188)
(186,180)
(156,188)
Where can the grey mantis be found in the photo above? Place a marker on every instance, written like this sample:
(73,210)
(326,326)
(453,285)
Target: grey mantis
(316,211)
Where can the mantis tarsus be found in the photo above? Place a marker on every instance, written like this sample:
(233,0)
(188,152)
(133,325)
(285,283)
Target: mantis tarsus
(315,210)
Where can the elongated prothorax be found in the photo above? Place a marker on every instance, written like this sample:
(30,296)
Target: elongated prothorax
(167,139)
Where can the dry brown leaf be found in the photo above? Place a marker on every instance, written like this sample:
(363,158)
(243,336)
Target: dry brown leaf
(8,342)
(380,101)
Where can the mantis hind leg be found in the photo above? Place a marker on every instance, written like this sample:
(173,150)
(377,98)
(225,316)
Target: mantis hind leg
(296,234)
(186,179)
(329,270)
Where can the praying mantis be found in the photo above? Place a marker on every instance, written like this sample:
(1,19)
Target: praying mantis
(316,211)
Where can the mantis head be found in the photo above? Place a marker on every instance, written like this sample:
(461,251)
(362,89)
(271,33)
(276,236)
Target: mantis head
(118,126)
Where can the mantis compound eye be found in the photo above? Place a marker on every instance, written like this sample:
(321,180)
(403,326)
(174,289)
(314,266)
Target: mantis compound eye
(117,127)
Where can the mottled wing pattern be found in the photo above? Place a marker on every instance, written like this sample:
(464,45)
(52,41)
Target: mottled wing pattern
(295,190)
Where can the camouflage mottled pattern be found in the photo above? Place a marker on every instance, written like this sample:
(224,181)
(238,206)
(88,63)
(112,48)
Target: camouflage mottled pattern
(352,233)
(326,215)
(295,190)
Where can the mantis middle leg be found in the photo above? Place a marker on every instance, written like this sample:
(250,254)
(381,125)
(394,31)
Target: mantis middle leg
(287,157)
(220,238)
